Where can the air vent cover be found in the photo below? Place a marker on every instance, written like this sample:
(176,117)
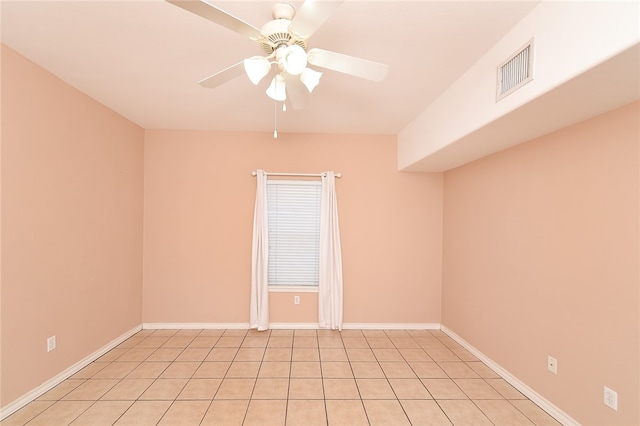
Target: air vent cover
(516,71)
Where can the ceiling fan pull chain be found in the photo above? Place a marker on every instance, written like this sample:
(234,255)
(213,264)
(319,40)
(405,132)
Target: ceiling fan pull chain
(275,120)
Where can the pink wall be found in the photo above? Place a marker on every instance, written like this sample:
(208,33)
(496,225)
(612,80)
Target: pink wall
(541,258)
(199,200)
(540,253)
(71,225)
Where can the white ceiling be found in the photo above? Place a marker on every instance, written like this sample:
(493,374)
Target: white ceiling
(143,59)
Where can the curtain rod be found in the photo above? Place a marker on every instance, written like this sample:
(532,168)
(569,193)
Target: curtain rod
(254,173)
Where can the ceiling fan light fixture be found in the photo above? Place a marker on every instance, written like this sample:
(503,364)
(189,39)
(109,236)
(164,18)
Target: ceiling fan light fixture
(284,43)
(256,68)
(293,59)
(276,89)
(310,78)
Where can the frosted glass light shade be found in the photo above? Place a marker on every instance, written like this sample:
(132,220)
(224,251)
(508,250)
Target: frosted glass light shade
(294,59)
(276,89)
(256,68)
(310,78)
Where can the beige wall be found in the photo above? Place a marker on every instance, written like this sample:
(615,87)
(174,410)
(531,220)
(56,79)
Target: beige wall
(199,200)
(541,258)
(71,225)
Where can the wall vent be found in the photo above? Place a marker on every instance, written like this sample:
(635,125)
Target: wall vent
(516,71)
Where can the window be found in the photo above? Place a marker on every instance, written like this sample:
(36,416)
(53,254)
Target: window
(294,232)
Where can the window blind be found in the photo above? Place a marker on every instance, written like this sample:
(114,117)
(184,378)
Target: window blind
(294,231)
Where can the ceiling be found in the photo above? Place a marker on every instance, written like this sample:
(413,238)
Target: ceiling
(143,59)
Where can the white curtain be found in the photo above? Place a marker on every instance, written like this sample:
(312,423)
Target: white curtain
(330,274)
(259,315)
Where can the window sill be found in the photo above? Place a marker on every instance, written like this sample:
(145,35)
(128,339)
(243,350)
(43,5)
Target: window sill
(293,289)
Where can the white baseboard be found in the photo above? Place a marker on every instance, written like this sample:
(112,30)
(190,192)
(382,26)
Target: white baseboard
(194,325)
(359,326)
(51,383)
(535,397)
(294,326)
(288,325)
(391,326)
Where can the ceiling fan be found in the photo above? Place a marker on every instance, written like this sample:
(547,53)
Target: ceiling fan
(284,44)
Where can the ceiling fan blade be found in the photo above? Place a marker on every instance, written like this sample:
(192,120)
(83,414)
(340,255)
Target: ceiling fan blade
(358,67)
(223,76)
(219,16)
(296,92)
(311,15)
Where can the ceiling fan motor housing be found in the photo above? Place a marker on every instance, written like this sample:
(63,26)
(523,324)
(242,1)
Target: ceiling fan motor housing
(276,33)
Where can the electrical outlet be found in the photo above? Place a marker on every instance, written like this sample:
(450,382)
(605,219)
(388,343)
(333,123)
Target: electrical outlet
(51,343)
(296,300)
(611,398)
(552,364)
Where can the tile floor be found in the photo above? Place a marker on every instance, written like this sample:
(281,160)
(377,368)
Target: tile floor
(284,377)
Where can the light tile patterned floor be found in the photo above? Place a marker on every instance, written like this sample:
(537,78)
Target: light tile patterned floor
(284,377)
